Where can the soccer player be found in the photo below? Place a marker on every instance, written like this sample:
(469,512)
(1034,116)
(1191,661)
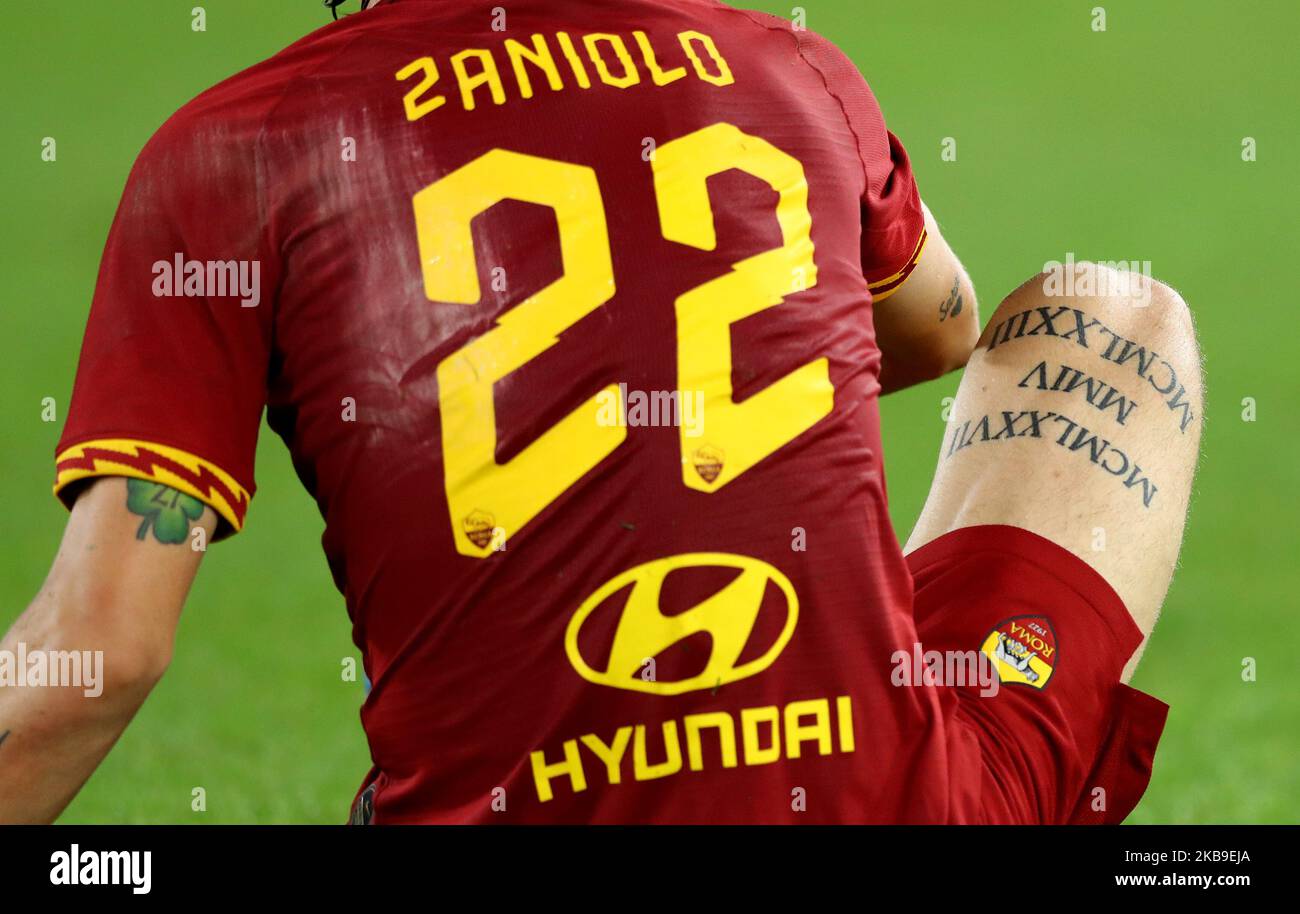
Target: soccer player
(574,319)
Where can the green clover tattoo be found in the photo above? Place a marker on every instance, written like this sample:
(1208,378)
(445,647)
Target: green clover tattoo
(168,511)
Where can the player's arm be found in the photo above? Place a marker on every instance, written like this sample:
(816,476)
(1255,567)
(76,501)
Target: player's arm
(117,585)
(927,326)
(923,302)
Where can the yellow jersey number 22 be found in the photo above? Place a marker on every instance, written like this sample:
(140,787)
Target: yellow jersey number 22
(504,497)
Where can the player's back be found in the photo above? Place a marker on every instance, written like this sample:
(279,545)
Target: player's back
(572,342)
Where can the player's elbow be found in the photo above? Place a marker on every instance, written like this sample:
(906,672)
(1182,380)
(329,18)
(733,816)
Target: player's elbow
(955,342)
(962,343)
(118,669)
(131,657)
(116,646)
(941,353)
(130,671)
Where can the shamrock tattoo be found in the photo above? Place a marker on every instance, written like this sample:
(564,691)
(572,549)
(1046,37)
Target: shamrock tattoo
(168,511)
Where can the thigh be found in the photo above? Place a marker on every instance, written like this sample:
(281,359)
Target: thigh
(1078,419)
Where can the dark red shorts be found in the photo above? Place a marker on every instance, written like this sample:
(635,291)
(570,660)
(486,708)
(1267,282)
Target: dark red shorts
(1062,740)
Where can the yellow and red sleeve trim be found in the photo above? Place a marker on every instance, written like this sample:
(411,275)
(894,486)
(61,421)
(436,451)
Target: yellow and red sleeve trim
(883,288)
(170,466)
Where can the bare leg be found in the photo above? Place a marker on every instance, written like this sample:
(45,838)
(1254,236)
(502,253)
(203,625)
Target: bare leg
(1079,419)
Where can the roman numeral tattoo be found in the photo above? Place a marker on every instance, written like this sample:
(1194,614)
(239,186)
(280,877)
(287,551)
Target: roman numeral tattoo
(1072,436)
(1089,333)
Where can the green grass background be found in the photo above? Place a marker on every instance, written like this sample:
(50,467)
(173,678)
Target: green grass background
(1117,145)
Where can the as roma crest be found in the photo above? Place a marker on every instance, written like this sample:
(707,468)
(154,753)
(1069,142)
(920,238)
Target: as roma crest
(1023,650)
(479,527)
(708,462)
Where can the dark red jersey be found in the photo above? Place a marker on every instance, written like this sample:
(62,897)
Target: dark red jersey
(565,314)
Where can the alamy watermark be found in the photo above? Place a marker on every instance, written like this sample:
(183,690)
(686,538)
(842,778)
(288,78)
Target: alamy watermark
(125,868)
(920,667)
(672,408)
(23,668)
(1129,279)
(181,278)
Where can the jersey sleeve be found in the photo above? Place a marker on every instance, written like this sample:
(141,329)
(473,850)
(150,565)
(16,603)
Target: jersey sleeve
(173,371)
(893,223)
